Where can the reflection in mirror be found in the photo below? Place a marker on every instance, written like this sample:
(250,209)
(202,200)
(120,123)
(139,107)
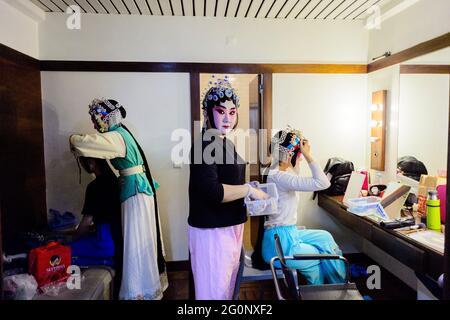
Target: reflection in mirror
(424,115)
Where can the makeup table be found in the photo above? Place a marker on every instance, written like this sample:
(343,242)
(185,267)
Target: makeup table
(415,254)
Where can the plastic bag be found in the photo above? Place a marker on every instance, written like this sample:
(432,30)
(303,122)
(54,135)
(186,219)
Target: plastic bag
(20,287)
(266,206)
(58,220)
(53,289)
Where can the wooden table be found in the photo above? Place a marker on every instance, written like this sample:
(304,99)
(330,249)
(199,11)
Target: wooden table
(420,258)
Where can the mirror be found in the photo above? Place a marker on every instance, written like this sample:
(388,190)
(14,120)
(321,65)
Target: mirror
(423,127)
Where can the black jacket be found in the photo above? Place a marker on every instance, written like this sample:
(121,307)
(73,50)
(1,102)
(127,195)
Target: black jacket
(206,193)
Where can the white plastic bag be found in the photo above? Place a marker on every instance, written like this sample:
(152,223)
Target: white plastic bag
(53,289)
(20,286)
(266,206)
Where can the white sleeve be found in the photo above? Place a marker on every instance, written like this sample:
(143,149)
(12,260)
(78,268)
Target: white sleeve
(108,145)
(290,181)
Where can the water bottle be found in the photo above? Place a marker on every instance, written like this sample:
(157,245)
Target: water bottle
(433,211)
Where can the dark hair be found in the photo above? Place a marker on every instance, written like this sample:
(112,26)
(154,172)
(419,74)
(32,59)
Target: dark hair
(107,106)
(411,167)
(122,110)
(210,104)
(100,163)
(285,143)
(160,258)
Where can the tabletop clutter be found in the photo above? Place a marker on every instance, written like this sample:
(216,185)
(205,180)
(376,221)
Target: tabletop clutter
(42,268)
(422,209)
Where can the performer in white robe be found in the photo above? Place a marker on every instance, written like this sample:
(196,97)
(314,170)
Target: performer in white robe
(144,272)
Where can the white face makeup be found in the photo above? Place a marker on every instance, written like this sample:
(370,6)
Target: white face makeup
(225,117)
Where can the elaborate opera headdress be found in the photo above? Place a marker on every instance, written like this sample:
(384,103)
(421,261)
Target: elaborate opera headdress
(218,91)
(106,113)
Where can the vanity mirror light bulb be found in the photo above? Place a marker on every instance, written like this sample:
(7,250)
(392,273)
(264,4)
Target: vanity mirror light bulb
(373,123)
(380,123)
(373,107)
(380,107)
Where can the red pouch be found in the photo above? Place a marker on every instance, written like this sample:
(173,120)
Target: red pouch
(48,264)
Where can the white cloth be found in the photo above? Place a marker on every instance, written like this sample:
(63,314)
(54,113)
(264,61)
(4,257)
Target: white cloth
(288,182)
(131,171)
(141,279)
(108,145)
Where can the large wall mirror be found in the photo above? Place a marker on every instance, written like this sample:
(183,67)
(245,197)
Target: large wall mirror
(424,110)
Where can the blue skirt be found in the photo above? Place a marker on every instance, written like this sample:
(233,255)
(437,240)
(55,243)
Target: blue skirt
(294,241)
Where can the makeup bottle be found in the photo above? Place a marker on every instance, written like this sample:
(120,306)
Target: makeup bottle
(433,211)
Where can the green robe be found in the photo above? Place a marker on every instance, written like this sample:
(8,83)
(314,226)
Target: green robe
(136,183)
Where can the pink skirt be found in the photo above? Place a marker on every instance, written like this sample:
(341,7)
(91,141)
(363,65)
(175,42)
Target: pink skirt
(215,254)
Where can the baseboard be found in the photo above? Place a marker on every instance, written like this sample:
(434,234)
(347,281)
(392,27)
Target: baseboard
(181,265)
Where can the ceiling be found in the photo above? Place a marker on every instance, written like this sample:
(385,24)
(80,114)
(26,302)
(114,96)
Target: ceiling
(260,9)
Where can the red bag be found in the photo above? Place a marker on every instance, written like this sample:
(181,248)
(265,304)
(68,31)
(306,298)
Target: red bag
(49,263)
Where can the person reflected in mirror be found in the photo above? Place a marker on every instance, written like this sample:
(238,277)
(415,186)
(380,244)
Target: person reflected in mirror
(288,148)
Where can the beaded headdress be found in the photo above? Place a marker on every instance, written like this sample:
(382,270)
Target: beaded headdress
(105,113)
(219,89)
(287,147)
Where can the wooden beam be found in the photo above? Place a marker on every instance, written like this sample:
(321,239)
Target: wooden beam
(424,69)
(195,102)
(1,253)
(267,115)
(121,66)
(410,53)
(17,57)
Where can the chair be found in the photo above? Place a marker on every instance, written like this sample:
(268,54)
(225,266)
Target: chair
(247,272)
(344,291)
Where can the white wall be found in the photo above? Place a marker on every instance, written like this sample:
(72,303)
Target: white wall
(332,113)
(156,104)
(423,119)
(423,21)
(199,39)
(18,31)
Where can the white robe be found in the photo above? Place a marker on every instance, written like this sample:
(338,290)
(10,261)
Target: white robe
(141,278)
